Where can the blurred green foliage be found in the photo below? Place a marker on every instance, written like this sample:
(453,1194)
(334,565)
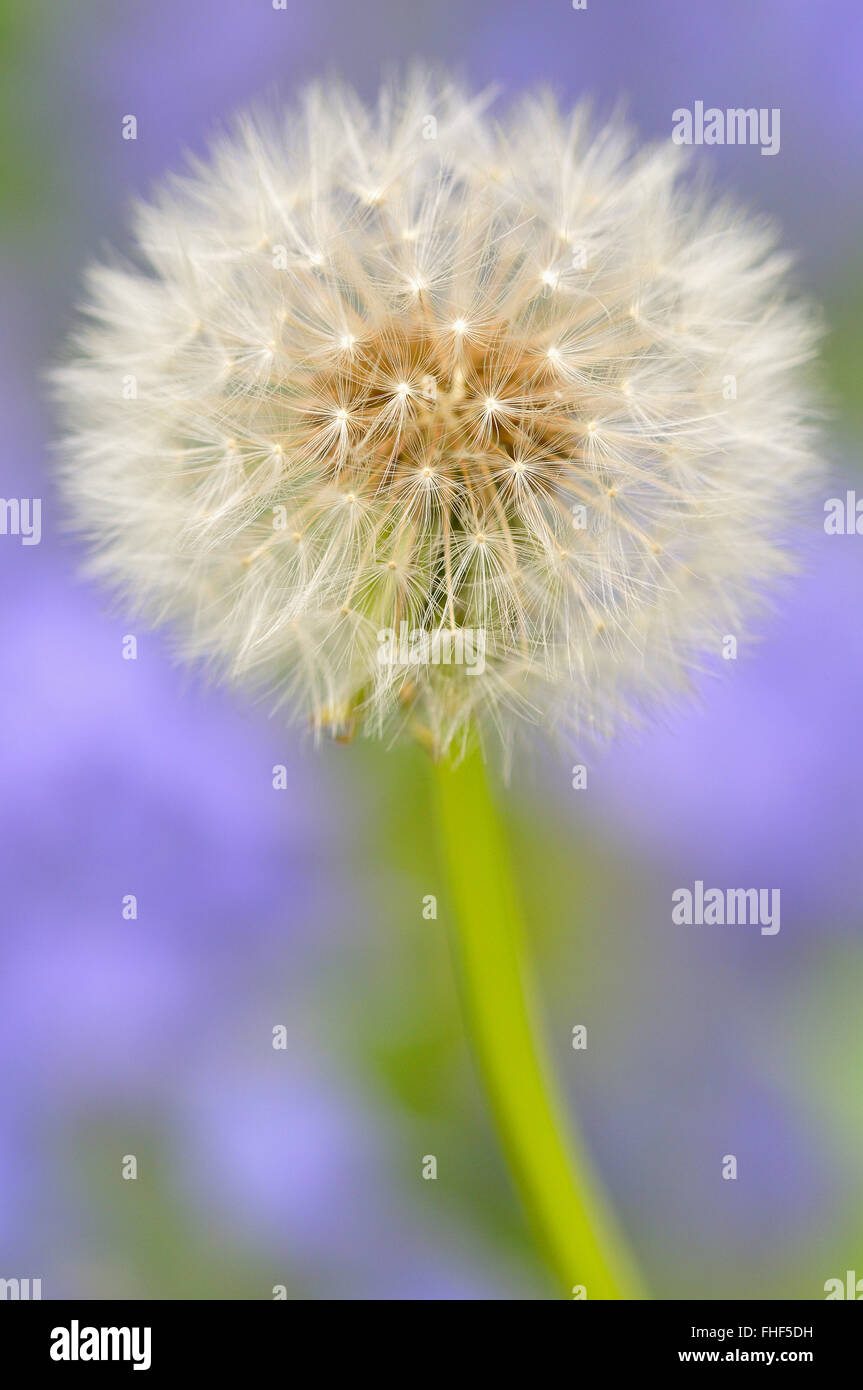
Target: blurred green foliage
(142,1240)
(28,140)
(843,348)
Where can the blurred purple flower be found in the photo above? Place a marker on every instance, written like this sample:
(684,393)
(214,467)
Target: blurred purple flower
(310,1166)
(789,54)
(760,784)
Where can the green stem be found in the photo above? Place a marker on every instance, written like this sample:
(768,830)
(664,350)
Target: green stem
(563,1200)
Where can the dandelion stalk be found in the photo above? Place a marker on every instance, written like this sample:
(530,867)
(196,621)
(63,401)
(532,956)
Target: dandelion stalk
(549,1166)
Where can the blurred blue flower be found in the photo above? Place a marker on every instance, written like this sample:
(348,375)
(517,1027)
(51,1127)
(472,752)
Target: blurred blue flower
(759,783)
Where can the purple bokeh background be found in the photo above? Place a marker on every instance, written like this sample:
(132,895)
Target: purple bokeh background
(126,777)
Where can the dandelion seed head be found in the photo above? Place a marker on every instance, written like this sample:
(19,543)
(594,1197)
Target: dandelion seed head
(436,397)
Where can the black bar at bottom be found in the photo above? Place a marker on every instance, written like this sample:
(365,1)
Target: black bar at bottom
(69,1338)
